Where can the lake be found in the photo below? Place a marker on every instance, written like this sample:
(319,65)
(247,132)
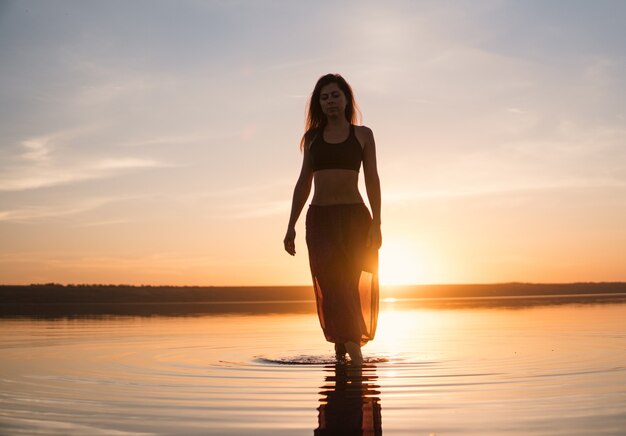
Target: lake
(471,367)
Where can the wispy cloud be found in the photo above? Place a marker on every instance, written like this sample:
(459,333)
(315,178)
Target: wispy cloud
(20,179)
(37,166)
(399,196)
(515,110)
(159,264)
(240,191)
(35,213)
(106,222)
(264,209)
(177,140)
(37,150)
(123,163)
(249,201)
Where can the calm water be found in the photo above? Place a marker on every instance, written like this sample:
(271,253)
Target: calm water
(558,369)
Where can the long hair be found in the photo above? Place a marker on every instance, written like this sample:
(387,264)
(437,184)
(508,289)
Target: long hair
(316,119)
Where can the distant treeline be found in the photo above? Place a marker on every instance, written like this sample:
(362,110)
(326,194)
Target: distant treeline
(54,293)
(53,300)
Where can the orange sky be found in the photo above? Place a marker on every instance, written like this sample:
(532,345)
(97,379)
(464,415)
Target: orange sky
(161,146)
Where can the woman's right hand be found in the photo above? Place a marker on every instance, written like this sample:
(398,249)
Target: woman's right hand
(290,241)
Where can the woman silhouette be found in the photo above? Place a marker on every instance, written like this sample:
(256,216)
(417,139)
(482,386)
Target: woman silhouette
(342,238)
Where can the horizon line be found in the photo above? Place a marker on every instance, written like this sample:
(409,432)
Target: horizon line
(308,285)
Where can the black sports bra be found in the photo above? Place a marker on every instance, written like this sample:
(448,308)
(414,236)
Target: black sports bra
(343,155)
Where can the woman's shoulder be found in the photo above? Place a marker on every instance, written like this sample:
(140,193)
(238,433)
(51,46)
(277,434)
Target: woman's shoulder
(310,136)
(363,129)
(364,134)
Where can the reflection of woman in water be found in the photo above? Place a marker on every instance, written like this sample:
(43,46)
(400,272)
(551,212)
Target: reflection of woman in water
(350,403)
(342,238)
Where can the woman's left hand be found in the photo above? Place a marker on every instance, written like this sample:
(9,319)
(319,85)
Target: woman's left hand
(375,236)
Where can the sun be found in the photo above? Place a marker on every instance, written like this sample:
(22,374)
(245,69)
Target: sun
(399,264)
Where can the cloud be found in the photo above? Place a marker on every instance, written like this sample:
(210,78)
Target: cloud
(242,202)
(37,150)
(38,167)
(399,196)
(34,213)
(20,179)
(515,110)
(175,140)
(240,191)
(263,209)
(152,267)
(106,222)
(123,163)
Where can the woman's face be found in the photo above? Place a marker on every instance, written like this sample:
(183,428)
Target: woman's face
(333,100)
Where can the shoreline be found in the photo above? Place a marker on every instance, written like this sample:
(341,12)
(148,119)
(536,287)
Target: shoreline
(112,294)
(53,301)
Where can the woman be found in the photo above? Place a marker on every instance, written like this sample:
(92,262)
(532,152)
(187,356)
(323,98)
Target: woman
(342,238)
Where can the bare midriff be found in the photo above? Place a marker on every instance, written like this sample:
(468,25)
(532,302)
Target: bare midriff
(336,186)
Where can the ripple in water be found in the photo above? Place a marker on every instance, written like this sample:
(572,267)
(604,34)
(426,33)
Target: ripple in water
(530,372)
(313,360)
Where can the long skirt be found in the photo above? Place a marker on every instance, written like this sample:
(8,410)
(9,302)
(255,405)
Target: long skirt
(344,271)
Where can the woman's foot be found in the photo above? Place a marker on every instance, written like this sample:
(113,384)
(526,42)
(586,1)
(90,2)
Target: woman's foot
(354,350)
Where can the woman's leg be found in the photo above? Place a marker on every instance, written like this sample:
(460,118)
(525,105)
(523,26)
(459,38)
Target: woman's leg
(354,350)
(340,350)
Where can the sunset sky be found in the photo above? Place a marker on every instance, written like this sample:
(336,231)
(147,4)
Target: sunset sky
(152,142)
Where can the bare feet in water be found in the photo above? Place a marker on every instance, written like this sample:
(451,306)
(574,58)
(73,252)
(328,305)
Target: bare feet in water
(354,350)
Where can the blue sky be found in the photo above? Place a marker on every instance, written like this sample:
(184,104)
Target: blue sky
(157,142)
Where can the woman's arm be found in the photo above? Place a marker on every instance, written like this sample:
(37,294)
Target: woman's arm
(372,186)
(300,194)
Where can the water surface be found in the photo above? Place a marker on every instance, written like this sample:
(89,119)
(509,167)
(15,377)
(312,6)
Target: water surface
(452,369)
